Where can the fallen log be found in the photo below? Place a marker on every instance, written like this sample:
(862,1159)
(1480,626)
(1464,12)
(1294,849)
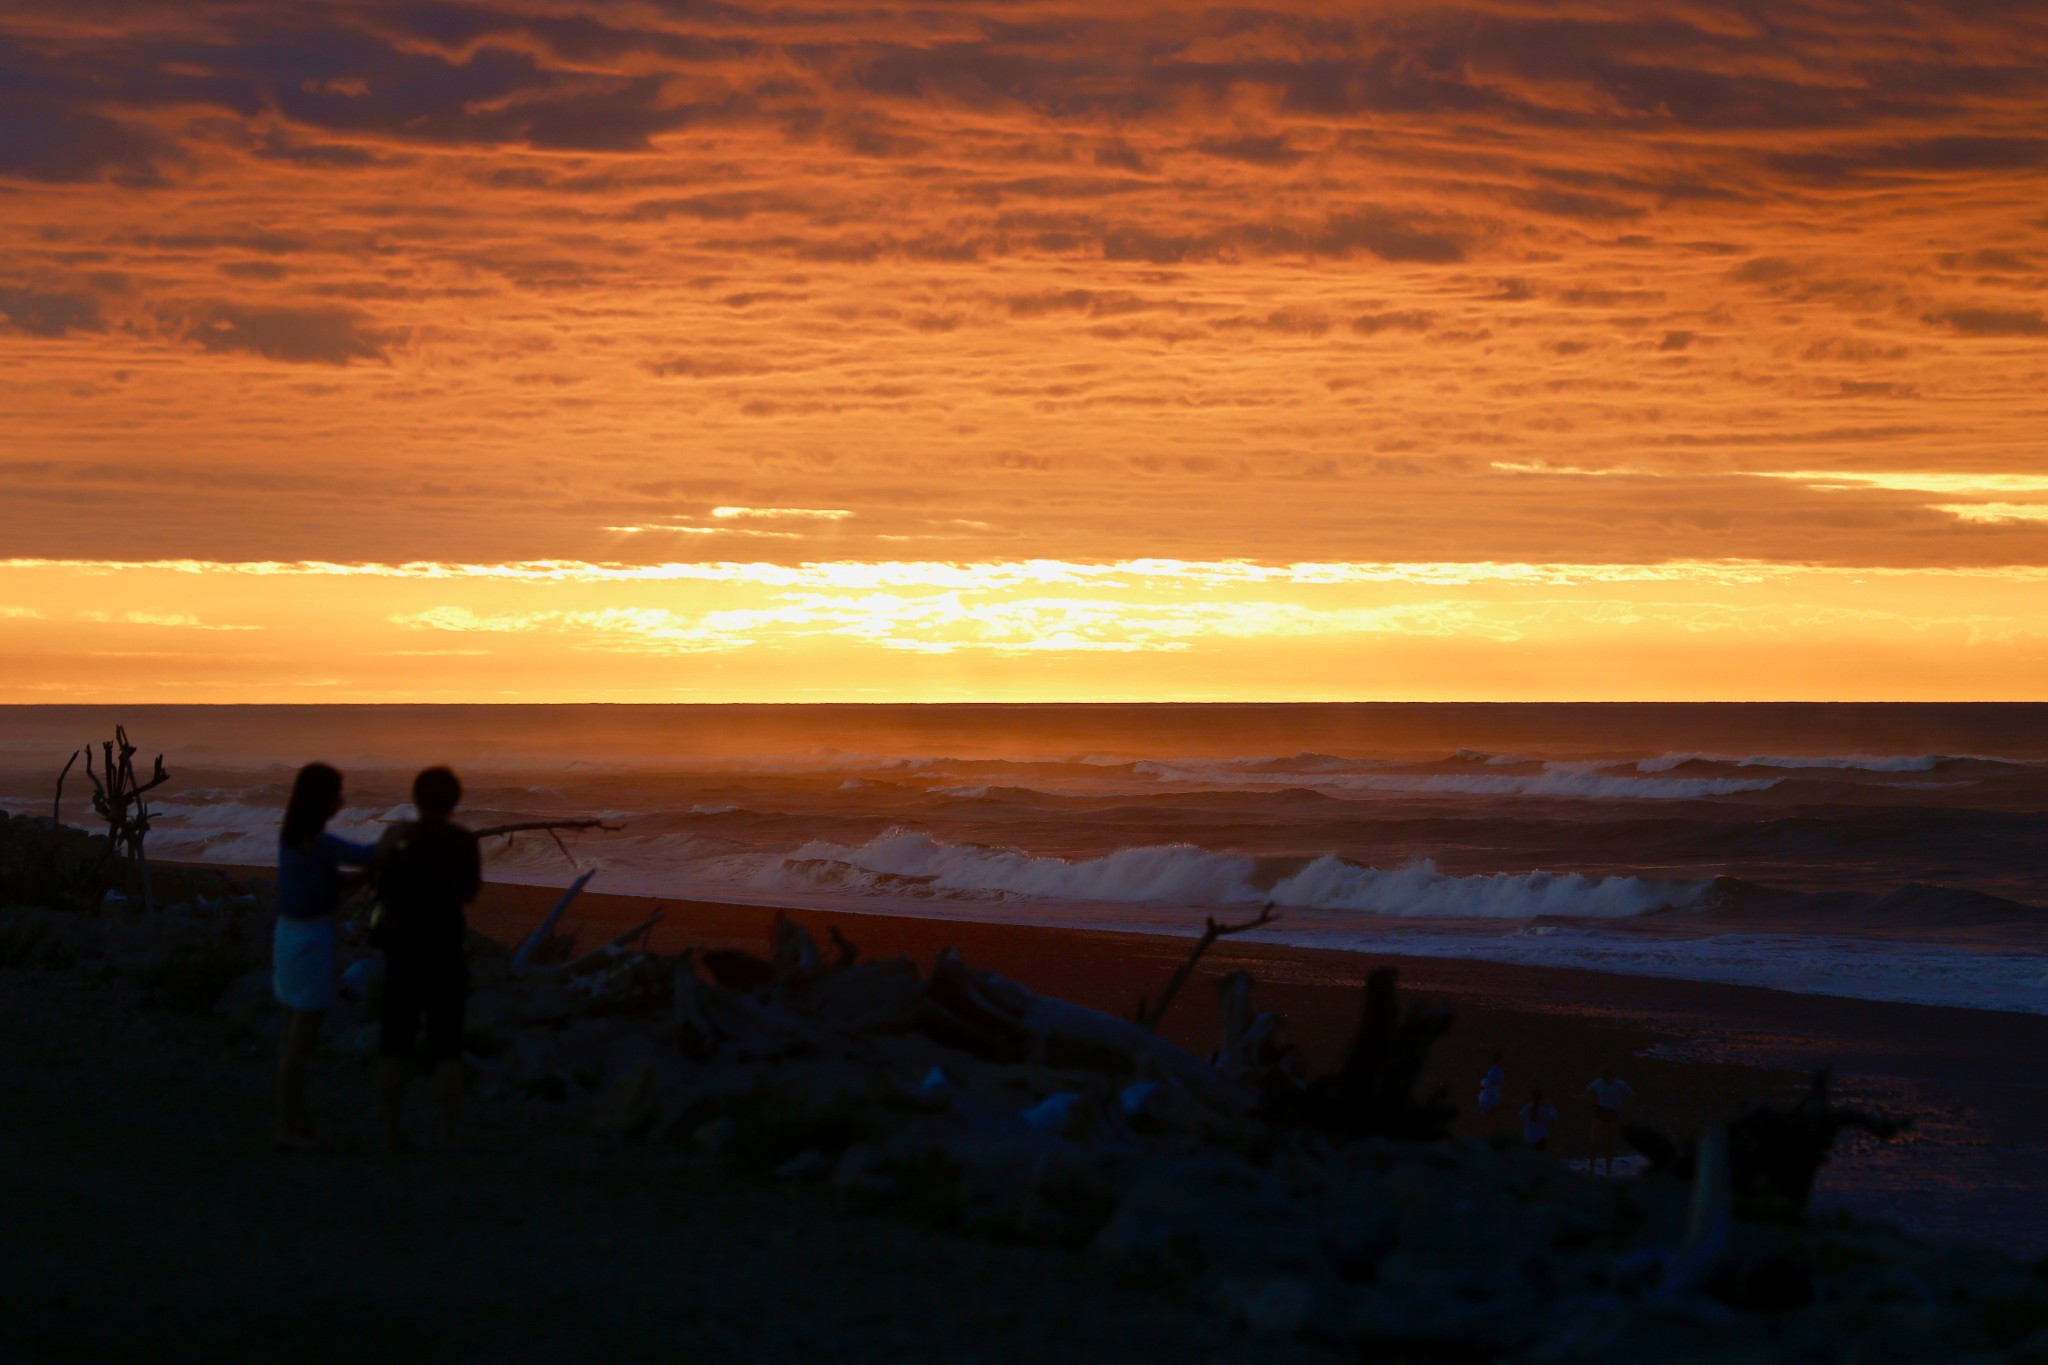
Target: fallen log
(1253,1049)
(609,948)
(546,927)
(1082,1030)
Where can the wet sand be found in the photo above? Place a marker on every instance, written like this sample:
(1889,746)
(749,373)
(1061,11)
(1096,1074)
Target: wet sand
(1975,1082)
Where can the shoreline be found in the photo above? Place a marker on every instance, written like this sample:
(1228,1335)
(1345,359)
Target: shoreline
(1975,1082)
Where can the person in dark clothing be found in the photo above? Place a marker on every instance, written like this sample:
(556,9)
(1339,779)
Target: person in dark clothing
(427,872)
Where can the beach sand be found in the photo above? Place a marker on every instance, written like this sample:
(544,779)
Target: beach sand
(1974,1082)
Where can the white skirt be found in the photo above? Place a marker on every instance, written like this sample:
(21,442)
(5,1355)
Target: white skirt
(302,963)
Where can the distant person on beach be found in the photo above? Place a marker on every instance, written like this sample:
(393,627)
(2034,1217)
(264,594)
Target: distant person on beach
(427,871)
(310,883)
(1609,1095)
(1536,1119)
(1490,1085)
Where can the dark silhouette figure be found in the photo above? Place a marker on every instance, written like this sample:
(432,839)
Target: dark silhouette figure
(309,888)
(427,872)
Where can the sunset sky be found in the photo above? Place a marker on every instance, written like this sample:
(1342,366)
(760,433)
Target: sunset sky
(1014,349)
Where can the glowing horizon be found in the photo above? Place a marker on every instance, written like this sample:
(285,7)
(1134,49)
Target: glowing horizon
(1023,350)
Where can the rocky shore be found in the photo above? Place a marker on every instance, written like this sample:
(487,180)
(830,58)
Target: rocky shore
(1328,1210)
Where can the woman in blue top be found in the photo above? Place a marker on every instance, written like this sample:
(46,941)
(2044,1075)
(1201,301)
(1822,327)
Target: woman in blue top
(309,887)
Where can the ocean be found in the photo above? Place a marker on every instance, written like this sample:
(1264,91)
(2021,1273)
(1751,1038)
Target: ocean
(1887,852)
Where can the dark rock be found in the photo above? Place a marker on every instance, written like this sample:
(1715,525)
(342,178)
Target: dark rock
(876,997)
(738,969)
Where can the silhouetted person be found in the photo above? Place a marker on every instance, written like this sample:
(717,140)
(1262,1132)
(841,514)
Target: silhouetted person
(309,889)
(1491,1084)
(427,872)
(1608,1097)
(1536,1119)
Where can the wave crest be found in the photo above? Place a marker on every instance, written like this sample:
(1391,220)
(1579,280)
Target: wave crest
(906,860)
(1418,890)
(911,862)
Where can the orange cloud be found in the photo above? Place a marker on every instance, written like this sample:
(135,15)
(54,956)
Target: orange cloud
(383,283)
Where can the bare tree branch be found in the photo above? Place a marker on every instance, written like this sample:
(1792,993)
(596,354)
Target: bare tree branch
(57,802)
(553,829)
(157,780)
(530,826)
(1149,1015)
(117,796)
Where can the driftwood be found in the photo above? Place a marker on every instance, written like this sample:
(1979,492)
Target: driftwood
(611,948)
(791,948)
(1708,1219)
(1149,1015)
(1074,1033)
(119,801)
(695,1035)
(552,828)
(534,826)
(1253,1049)
(1374,1094)
(1773,1154)
(977,1012)
(737,969)
(543,930)
(57,801)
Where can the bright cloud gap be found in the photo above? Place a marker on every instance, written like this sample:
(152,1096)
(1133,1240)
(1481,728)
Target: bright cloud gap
(996,574)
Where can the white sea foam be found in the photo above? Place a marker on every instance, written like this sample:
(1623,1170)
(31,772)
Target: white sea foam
(1420,891)
(911,862)
(236,832)
(1176,873)
(217,815)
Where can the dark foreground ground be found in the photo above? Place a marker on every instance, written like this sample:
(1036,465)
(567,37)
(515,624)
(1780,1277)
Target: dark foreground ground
(143,1216)
(1975,1082)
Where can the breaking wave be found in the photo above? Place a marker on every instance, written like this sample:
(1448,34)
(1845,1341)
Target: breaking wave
(1420,891)
(235,832)
(909,862)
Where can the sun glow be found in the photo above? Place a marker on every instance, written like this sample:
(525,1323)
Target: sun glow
(1130,351)
(1052,629)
